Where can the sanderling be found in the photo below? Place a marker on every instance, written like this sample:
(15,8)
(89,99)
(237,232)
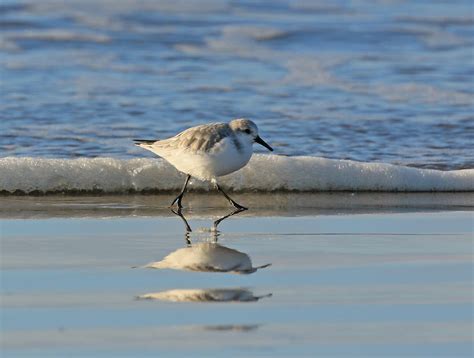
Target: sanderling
(208,151)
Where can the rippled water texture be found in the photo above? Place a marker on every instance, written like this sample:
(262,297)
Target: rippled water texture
(367,80)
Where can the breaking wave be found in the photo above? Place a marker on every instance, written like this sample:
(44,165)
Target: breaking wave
(264,173)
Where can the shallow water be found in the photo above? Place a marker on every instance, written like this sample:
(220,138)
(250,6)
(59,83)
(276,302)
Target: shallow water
(377,275)
(387,81)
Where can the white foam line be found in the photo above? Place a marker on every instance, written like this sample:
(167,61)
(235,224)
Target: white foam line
(263,173)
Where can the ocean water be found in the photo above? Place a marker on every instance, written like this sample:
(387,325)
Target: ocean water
(373,81)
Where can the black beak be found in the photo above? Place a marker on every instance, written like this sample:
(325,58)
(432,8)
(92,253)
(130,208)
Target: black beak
(262,142)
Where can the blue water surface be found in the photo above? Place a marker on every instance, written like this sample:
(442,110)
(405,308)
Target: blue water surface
(371,81)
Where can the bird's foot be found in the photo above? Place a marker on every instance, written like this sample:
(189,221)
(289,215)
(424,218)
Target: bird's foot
(176,201)
(238,206)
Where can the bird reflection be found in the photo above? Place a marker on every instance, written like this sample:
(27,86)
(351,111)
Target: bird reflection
(205,295)
(233,327)
(207,256)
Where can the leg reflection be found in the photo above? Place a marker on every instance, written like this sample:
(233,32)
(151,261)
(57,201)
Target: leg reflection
(188,229)
(232,213)
(180,214)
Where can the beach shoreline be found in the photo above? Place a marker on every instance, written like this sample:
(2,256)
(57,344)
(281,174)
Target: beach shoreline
(208,204)
(370,273)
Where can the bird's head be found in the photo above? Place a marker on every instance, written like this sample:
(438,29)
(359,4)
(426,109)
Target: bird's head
(247,129)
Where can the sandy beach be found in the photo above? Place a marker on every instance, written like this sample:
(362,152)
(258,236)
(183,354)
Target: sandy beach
(350,274)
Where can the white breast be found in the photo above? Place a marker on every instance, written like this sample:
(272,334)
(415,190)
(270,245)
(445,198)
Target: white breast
(224,158)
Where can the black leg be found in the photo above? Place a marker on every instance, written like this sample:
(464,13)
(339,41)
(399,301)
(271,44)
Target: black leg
(237,206)
(180,196)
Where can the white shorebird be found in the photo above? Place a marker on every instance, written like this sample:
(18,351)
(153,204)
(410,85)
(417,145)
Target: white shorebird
(208,151)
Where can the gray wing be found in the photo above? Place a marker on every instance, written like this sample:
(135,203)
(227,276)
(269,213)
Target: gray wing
(202,138)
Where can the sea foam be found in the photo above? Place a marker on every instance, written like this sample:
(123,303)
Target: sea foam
(264,173)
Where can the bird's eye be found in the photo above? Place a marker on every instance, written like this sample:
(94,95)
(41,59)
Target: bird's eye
(247,131)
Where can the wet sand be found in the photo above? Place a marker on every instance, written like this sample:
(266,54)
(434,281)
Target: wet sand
(363,274)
